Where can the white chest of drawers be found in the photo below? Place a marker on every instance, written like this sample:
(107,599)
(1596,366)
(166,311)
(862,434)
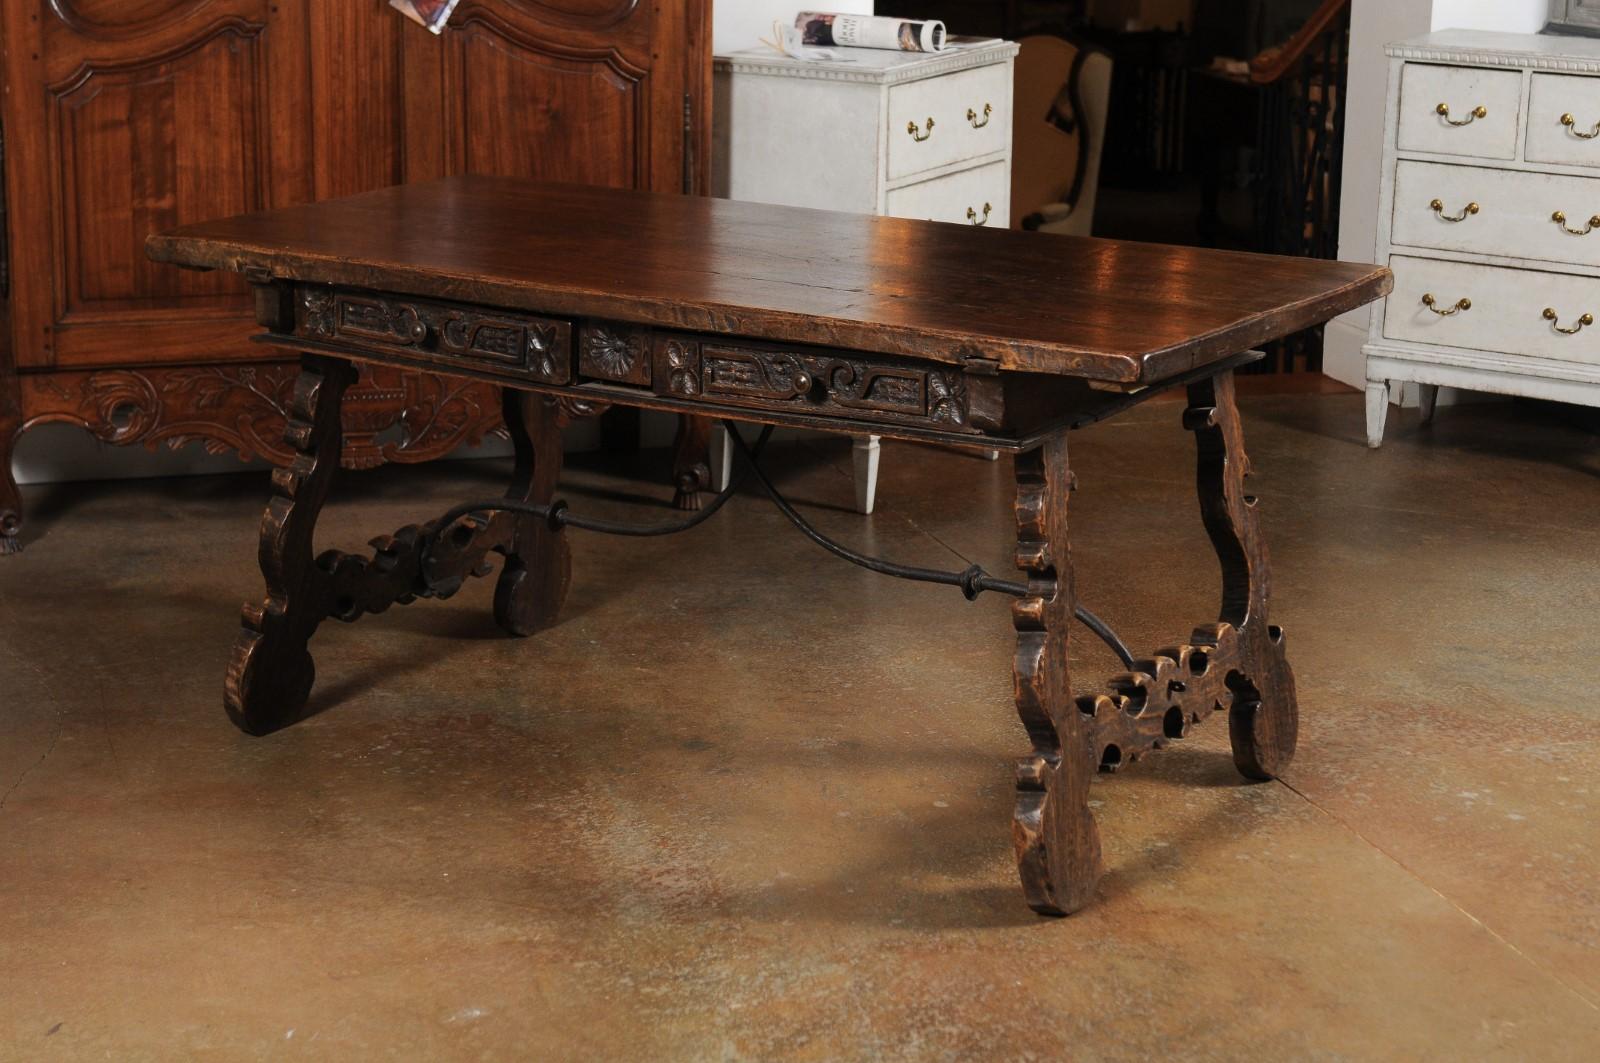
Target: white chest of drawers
(903,134)
(906,135)
(1490,218)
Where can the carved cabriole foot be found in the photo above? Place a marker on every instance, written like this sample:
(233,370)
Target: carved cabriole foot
(1264,718)
(1057,843)
(271,674)
(10,496)
(691,461)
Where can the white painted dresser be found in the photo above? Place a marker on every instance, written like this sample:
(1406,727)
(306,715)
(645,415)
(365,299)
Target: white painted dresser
(1490,218)
(907,135)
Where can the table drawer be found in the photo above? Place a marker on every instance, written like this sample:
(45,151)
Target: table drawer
(1515,213)
(823,383)
(1555,97)
(984,191)
(969,112)
(1506,312)
(1484,110)
(506,343)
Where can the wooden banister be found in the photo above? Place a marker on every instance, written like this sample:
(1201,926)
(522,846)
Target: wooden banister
(1272,65)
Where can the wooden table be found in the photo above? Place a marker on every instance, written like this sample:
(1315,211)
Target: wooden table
(573,299)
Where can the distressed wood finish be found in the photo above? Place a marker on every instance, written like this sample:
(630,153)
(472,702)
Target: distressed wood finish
(272,672)
(1057,842)
(785,275)
(702,313)
(127,117)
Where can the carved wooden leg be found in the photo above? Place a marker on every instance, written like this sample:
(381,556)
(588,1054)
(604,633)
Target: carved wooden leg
(10,496)
(271,673)
(691,461)
(1058,845)
(538,568)
(10,429)
(1263,721)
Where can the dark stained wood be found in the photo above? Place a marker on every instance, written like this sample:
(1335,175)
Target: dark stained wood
(271,672)
(124,117)
(1099,309)
(559,352)
(1057,842)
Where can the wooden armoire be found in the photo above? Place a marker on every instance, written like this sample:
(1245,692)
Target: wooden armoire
(122,117)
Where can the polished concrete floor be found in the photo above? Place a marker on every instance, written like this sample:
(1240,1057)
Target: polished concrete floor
(747,802)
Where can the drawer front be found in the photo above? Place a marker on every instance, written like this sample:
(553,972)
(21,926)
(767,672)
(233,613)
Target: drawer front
(1515,213)
(507,343)
(1564,120)
(1484,110)
(985,192)
(970,114)
(1507,311)
(826,384)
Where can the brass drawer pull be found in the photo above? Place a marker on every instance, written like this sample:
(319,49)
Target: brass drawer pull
(1437,206)
(972,215)
(1550,316)
(972,116)
(1572,127)
(1432,304)
(1561,219)
(1443,111)
(911,127)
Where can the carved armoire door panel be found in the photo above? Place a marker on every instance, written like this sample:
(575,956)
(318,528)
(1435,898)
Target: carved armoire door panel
(607,92)
(125,117)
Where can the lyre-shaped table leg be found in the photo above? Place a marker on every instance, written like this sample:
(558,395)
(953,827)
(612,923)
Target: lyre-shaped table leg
(538,569)
(1058,845)
(1263,721)
(271,673)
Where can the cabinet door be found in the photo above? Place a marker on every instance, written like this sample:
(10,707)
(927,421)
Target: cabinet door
(127,116)
(604,92)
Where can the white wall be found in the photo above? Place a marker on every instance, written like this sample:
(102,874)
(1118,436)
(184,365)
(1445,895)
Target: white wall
(739,24)
(1374,23)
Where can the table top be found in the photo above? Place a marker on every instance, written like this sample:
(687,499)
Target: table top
(1109,310)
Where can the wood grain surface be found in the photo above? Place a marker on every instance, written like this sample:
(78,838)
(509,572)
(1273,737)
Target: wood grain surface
(1099,309)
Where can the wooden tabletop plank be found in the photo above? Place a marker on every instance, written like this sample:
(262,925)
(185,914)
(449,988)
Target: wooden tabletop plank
(1101,309)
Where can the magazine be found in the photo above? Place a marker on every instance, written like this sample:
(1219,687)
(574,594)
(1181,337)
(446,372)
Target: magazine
(868,31)
(430,13)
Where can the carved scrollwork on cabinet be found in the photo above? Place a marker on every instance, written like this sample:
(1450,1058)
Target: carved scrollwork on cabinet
(390,415)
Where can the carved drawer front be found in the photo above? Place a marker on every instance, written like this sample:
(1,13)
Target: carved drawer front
(980,196)
(617,354)
(1544,217)
(826,384)
(970,114)
(1453,110)
(1496,309)
(1564,120)
(512,344)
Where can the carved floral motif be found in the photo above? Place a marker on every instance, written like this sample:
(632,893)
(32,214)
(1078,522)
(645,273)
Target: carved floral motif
(683,368)
(614,352)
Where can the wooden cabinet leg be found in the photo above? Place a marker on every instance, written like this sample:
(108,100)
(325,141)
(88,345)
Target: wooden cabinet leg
(538,567)
(10,496)
(864,453)
(691,461)
(1264,719)
(1057,842)
(1377,411)
(1427,398)
(271,673)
